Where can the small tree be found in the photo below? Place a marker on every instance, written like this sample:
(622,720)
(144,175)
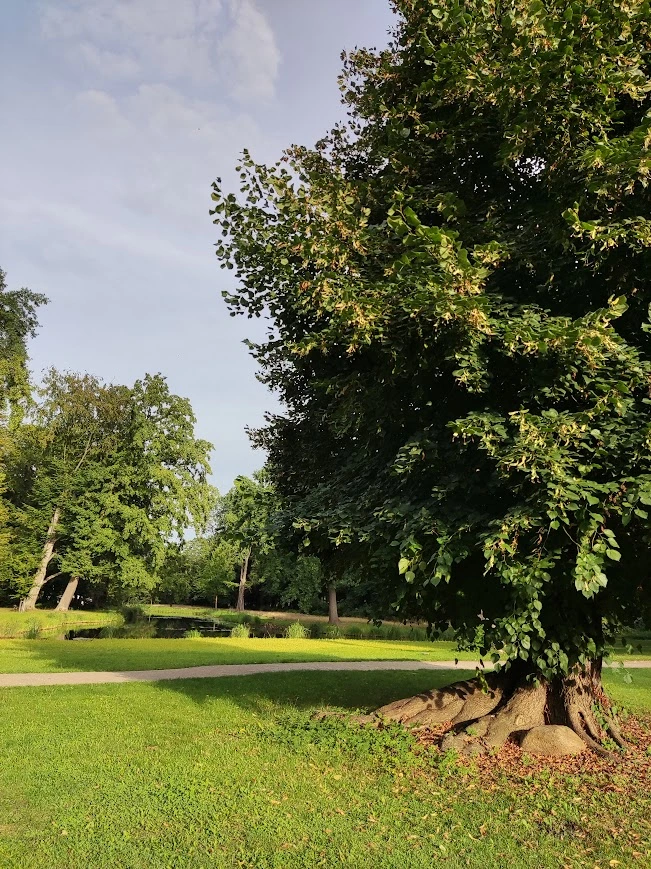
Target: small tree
(245,520)
(199,571)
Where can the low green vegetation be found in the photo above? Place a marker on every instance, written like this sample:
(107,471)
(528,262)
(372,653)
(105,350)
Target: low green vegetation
(50,622)
(236,773)
(50,656)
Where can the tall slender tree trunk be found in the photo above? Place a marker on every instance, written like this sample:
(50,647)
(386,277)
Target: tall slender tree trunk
(333,614)
(244,571)
(66,598)
(40,575)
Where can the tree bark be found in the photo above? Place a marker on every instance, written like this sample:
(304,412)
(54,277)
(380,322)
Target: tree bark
(333,614)
(483,713)
(40,577)
(66,598)
(244,570)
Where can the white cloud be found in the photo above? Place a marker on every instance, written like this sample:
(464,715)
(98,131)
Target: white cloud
(249,55)
(207,43)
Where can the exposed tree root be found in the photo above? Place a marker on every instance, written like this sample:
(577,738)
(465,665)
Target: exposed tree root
(458,703)
(485,713)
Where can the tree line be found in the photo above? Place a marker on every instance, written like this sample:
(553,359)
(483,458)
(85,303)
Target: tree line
(105,498)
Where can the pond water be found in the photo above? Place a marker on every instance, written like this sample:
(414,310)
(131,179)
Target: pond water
(163,626)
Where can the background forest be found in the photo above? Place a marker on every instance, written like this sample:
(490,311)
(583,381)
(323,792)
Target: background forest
(105,498)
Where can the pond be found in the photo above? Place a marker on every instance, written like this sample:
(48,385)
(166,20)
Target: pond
(162,626)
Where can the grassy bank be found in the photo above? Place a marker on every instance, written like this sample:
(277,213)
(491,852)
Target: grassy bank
(348,627)
(235,773)
(49,622)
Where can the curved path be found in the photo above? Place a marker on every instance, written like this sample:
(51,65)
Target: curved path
(25,680)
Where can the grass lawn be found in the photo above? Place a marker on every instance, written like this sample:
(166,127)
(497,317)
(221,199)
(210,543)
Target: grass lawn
(50,656)
(234,773)
(47,656)
(43,622)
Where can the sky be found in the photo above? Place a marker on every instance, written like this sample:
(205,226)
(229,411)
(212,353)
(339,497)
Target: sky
(118,115)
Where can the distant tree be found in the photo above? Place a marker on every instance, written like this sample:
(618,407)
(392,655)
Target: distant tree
(246,521)
(458,280)
(18,322)
(291,581)
(112,474)
(200,571)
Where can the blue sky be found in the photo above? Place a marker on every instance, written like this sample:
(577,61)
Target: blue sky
(118,116)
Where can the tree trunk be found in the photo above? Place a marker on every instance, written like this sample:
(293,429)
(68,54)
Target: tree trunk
(215,602)
(66,598)
(244,570)
(483,713)
(333,614)
(40,575)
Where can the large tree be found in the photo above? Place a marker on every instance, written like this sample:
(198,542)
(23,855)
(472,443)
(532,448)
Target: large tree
(109,474)
(458,286)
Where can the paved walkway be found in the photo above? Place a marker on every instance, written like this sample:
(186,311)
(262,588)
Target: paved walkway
(24,680)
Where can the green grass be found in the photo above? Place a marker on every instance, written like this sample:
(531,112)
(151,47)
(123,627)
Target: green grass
(48,656)
(235,773)
(47,622)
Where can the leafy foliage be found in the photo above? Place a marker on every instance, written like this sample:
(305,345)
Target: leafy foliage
(458,287)
(121,472)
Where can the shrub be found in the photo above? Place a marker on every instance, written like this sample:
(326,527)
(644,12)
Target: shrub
(33,632)
(192,634)
(296,631)
(354,633)
(241,632)
(133,613)
(316,630)
(333,632)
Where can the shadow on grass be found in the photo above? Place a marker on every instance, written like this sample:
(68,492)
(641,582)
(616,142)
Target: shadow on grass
(266,695)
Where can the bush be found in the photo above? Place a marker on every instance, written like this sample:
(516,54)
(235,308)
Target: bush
(333,632)
(354,633)
(33,632)
(241,632)
(316,630)
(296,631)
(133,613)
(192,634)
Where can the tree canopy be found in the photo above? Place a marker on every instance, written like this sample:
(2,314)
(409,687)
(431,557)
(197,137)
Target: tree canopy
(103,478)
(457,282)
